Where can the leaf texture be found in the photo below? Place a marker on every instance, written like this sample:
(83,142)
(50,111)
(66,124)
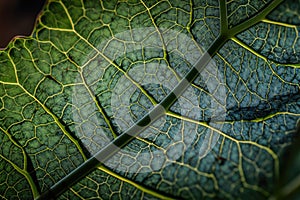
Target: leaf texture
(150,100)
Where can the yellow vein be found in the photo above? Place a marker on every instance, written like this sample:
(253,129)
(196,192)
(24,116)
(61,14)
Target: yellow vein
(57,121)
(108,60)
(239,42)
(279,23)
(15,68)
(205,124)
(9,83)
(15,143)
(138,186)
(127,76)
(196,170)
(240,166)
(86,86)
(190,17)
(164,47)
(75,193)
(240,79)
(261,119)
(149,143)
(99,107)
(56,29)
(25,174)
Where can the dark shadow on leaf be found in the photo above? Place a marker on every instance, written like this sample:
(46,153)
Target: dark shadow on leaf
(263,109)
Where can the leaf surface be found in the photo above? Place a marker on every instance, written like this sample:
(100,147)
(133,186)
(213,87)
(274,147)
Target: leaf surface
(150,100)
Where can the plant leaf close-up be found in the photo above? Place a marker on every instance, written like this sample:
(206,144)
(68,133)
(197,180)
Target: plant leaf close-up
(159,99)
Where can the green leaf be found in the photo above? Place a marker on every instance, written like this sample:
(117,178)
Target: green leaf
(151,100)
(289,183)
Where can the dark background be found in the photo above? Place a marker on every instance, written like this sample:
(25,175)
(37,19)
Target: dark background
(17,17)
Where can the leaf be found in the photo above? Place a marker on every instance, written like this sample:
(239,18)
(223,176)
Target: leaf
(289,182)
(150,100)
